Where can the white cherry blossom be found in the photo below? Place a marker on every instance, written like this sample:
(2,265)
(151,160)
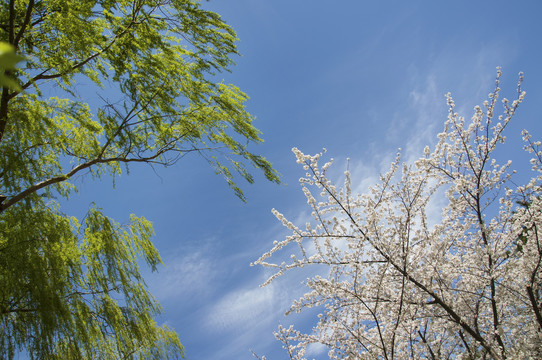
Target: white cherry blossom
(400,286)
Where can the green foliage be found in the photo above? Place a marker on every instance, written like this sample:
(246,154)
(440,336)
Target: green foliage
(8,60)
(77,291)
(72,288)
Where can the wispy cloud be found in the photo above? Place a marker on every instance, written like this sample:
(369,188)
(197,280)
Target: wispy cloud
(187,275)
(242,308)
(247,315)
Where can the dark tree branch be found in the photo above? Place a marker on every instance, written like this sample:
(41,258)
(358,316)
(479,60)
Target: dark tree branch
(26,21)
(422,336)
(11,26)
(534,304)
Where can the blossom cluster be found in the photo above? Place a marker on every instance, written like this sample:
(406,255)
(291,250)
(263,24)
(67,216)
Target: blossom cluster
(401,286)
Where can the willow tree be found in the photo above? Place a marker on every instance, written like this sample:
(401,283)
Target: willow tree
(71,288)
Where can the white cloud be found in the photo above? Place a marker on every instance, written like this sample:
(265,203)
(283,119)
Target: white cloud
(186,276)
(248,315)
(242,308)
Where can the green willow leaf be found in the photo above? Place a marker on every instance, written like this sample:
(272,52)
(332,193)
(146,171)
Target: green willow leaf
(71,288)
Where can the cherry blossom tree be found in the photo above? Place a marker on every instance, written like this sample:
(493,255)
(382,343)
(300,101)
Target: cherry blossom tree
(404,282)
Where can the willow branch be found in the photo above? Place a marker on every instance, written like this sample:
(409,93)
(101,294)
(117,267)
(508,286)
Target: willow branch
(27,17)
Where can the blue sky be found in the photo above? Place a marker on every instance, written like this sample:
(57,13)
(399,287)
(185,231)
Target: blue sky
(360,78)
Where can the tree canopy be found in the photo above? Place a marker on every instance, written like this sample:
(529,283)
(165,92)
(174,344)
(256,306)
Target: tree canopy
(408,279)
(71,288)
